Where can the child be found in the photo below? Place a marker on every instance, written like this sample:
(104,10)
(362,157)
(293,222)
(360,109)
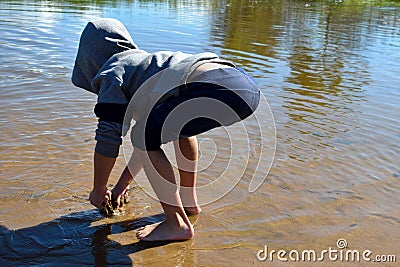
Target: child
(199,92)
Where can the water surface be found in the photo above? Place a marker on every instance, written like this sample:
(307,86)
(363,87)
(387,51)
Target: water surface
(329,70)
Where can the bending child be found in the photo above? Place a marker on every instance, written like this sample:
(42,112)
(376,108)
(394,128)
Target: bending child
(172,97)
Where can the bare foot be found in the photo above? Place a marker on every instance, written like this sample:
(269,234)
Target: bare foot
(165,231)
(192,210)
(189,201)
(145,230)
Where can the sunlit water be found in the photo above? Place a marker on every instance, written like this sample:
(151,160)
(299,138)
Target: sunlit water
(329,70)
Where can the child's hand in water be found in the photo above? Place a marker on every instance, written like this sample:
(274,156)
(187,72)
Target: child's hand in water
(100,199)
(118,199)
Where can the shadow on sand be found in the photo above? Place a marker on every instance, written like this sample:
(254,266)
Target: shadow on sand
(73,239)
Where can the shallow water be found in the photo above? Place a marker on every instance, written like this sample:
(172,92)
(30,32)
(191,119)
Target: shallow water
(329,71)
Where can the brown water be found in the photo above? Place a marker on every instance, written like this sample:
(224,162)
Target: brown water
(330,72)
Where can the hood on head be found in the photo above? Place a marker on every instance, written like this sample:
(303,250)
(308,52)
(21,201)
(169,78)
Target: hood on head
(100,40)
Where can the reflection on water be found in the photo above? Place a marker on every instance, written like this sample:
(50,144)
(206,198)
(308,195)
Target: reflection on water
(329,70)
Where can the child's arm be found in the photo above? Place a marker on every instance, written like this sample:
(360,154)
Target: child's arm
(102,169)
(110,109)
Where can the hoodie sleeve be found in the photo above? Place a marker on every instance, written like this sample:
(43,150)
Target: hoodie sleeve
(110,109)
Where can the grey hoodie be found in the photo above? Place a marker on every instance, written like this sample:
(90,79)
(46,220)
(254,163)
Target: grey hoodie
(110,64)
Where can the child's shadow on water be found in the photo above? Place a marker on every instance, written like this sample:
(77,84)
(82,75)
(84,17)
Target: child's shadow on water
(73,239)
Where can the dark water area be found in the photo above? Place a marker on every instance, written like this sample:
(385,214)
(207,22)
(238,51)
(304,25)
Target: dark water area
(329,71)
